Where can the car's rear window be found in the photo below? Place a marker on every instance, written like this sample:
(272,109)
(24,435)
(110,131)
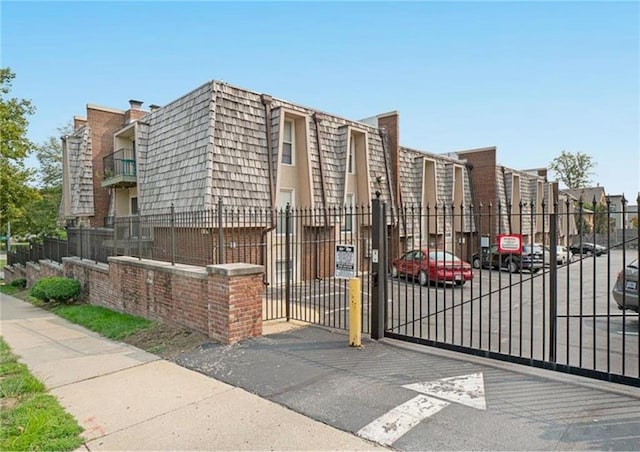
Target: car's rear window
(442,256)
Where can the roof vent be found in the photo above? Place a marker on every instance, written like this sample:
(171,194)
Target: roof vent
(154,107)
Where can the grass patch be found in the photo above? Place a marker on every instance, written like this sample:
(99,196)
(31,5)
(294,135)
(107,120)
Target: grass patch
(30,418)
(9,290)
(111,324)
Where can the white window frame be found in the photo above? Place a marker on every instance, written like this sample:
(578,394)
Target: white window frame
(291,143)
(351,161)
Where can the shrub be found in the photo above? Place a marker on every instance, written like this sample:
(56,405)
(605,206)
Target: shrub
(37,290)
(20,283)
(56,289)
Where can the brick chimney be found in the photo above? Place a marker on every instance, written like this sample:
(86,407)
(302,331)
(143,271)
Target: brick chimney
(135,111)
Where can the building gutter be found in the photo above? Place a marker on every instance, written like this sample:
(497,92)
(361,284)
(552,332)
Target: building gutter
(266,101)
(385,146)
(316,121)
(507,197)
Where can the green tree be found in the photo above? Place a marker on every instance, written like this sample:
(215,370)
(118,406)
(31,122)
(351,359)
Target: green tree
(635,222)
(42,220)
(574,170)
(15,179)
(602,222)
(49,155)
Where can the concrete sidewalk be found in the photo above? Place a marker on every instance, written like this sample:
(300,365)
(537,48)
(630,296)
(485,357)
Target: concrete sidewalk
(127,399)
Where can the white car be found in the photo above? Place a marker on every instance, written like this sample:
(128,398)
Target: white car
(564,255)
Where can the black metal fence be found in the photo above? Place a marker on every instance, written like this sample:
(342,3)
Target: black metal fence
(51,248)
(551,305)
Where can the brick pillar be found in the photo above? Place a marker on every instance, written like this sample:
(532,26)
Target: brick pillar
(235,301)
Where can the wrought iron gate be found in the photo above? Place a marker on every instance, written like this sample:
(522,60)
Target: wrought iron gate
(299,271)
(555,310)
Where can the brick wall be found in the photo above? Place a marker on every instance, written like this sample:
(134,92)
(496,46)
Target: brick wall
(97,287)
(221,301)
(11,273)
(103,124)
(199,246)
(133,114)
(157,290)
(483,180)
(241,316)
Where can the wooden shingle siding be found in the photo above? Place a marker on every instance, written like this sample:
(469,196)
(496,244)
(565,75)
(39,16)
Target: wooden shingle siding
(240,156)
(411,174)
(314,159)
(175,167)
(79,154)
(212,143)
(528,197)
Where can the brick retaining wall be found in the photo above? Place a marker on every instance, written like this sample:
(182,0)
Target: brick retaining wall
(222,301)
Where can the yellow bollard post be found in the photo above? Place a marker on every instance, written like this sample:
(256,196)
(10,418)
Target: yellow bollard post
(355,313)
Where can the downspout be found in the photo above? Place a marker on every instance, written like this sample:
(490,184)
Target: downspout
(266,101)
(507,196)
(383,137)
(476,227)
(316,121)
(325,208)
(385,149)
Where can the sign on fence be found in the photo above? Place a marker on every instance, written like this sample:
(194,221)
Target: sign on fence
(509,243)
(345,261)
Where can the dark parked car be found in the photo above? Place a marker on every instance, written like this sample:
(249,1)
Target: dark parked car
(588,249)
(531,259)
(627,284)
(432,265)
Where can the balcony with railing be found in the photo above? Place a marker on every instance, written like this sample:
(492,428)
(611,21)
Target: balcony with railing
(120,169)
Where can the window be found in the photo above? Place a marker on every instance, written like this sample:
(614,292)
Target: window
(348,213)
(288,142)
(351,157)
(134,206)
(284,197)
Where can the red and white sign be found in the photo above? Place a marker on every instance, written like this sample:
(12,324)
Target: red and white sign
(510,243)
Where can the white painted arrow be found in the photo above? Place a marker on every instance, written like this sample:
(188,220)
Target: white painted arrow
(465,389)
(392,425)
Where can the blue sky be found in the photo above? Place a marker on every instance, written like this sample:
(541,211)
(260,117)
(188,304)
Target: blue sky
(531,78)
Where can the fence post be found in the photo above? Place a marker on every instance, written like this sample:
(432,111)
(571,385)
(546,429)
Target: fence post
(139,235)
(81,240)
(115,234)
(287,264)
(378,267)
(553,284)
(173,235)
(220,234)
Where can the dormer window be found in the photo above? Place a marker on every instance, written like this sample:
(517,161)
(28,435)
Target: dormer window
(288,143)
(351,165)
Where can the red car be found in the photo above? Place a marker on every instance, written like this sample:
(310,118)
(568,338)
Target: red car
(433,265)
